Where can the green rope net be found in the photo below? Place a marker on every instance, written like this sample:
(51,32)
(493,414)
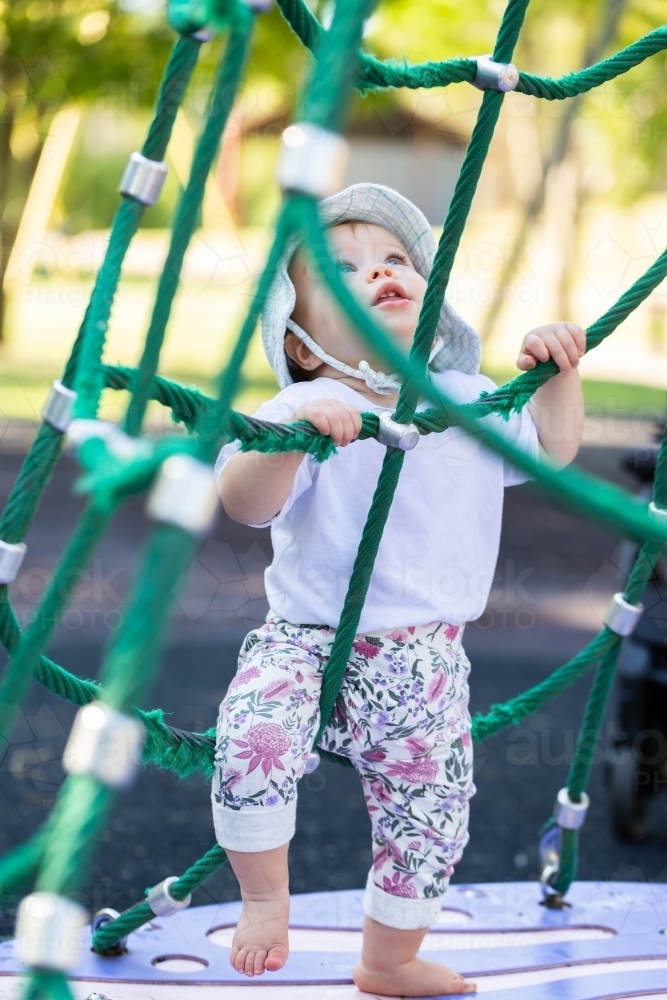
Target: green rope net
(56,857)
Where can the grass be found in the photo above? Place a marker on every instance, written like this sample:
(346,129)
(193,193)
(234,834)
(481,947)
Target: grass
(619,399)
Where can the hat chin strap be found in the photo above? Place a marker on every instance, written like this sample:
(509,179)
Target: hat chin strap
(377,381)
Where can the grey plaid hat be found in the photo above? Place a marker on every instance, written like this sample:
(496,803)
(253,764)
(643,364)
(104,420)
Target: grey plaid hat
(373,203)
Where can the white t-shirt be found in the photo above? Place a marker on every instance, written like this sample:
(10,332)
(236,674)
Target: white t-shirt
(438,553)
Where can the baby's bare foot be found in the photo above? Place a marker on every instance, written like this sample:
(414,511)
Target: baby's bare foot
(260,942)
(414,979)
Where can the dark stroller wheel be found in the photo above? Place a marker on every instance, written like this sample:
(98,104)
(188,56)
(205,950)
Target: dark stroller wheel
(629,806)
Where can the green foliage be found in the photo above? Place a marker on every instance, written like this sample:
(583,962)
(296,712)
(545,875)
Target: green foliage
(58,51)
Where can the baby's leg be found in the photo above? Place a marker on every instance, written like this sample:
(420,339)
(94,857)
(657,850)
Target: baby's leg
(389,965)
(416,770)
(260,942)
(266,727)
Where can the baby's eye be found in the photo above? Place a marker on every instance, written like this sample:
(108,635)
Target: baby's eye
(345,267)
(395,259)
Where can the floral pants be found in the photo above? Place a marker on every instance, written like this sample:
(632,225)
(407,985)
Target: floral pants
(401,718)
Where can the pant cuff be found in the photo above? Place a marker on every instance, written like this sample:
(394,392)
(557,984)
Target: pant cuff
(397,911)
(255,828)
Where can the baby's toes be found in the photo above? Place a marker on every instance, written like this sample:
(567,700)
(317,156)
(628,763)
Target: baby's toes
(250,962)
(259,959)
(238,959)
(276,958)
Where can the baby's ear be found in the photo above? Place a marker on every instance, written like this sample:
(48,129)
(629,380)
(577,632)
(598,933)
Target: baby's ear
(299,354)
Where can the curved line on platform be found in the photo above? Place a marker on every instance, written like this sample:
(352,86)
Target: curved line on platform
(513,979)
(336,939)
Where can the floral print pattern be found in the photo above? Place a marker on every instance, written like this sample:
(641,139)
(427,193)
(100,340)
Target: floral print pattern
(401,718)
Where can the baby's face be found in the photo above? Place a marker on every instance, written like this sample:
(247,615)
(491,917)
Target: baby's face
(377,269)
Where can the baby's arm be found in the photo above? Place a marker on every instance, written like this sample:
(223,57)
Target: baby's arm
(253,487)
(557,407)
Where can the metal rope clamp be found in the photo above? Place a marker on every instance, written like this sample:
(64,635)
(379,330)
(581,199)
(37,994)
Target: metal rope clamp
(549,849)
(100,920)
(658,514)
(184,494)
(48,931)
(312,160)
(492,75)
(118,443)
(11,559)
(143,179)
(395,435)
(568,815)
(203,35)
(161,901)
(622,617)
(59,407)
(104,744)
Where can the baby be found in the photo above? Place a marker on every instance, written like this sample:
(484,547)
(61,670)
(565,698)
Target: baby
(402,714)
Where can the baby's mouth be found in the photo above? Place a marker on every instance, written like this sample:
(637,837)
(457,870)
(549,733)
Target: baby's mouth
(390,295)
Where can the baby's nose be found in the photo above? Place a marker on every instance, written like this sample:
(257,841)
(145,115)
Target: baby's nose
(380,271)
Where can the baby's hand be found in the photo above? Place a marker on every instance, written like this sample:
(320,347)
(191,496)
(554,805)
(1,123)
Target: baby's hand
(565,343)
(340,421)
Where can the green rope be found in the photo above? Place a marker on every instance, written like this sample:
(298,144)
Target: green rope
(36,471)
(511,712)
(587,742)
(583,757)
(19,671)
(586,79)
(516,393)
(581,492)
(582,760)
(47,986)
(229,380)
(37,468)
(141,913)
(19,866)
(79,815)
(219,107)
(83,370)
(373,73)
(325,105)
(408,397)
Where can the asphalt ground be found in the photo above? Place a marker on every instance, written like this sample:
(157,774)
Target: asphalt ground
(556,573)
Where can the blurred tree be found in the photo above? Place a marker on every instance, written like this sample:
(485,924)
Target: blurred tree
(58,52)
